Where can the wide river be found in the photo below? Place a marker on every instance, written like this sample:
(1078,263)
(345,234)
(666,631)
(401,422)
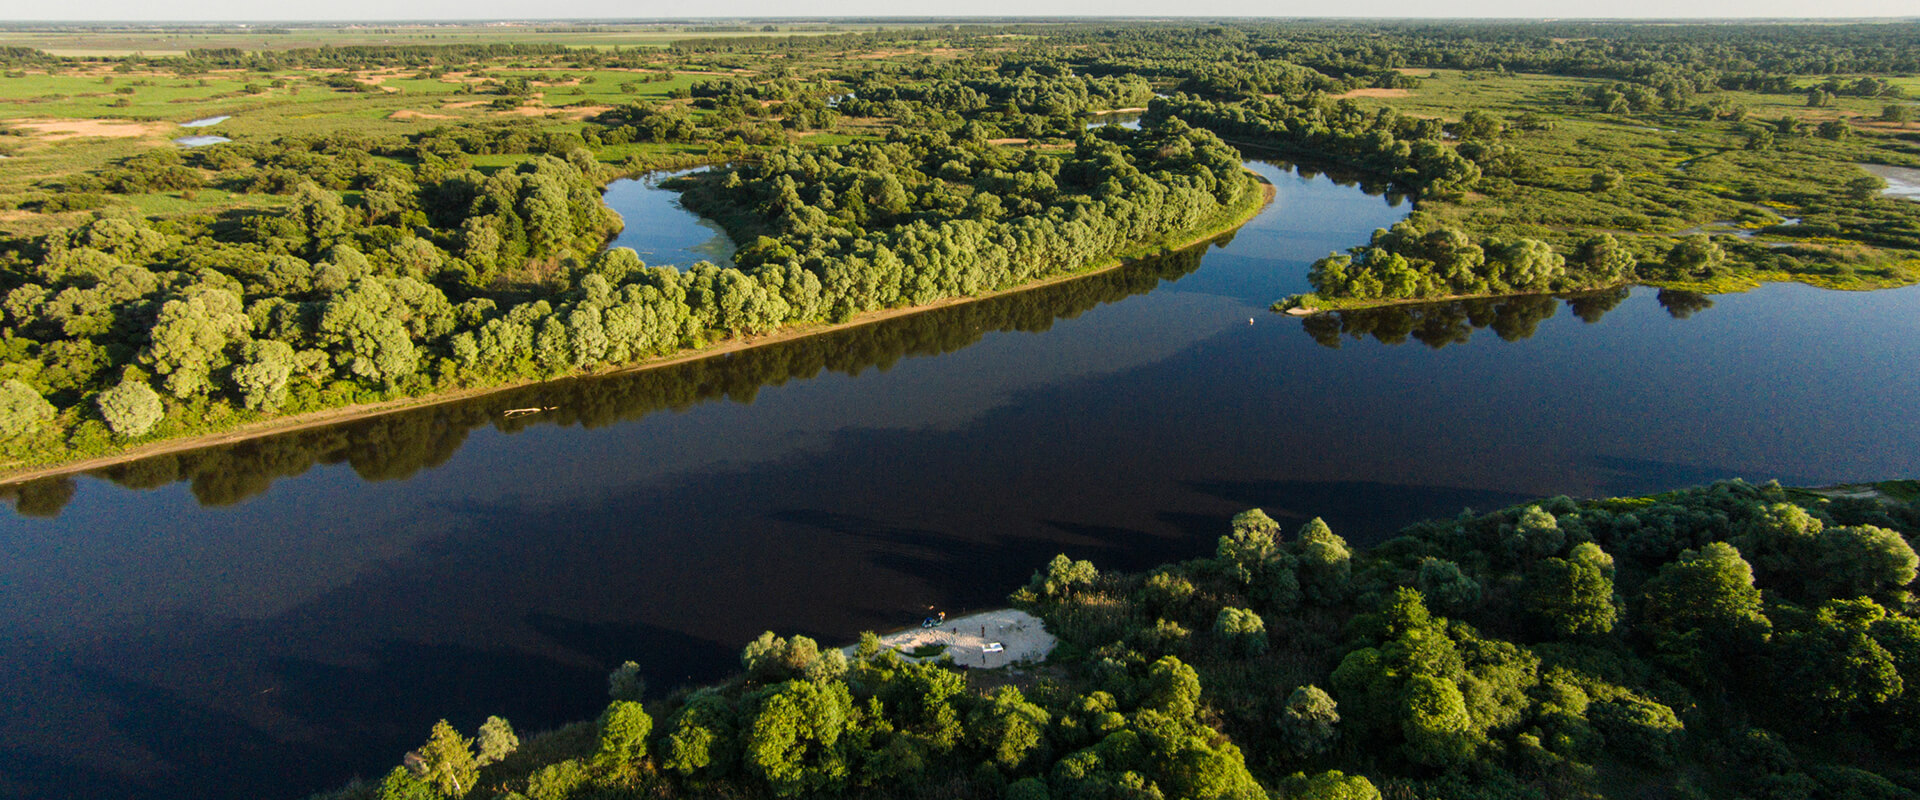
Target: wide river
(271,618)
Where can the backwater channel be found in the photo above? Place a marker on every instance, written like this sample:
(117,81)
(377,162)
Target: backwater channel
(274,617)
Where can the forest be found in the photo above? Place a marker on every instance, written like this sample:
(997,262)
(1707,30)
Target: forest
(438,228)
(1731,640)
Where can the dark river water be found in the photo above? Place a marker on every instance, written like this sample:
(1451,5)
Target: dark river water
(274,617)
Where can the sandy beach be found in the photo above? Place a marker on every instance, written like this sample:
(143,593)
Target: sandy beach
(1020,635)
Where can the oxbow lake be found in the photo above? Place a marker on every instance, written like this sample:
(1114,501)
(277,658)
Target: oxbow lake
(274,617)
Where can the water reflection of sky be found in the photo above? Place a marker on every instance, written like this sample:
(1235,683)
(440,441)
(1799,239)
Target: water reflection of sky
(658,228)
(506,579)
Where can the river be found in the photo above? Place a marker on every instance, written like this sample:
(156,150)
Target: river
(273,617)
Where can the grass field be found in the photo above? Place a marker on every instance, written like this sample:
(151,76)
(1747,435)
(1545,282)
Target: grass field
(1666,160)
(120,40)
(85,117)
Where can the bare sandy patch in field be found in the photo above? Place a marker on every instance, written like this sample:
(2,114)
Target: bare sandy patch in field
(583,112)
(408,113)
(990,639)
(936,51)
(60,129)
(465,104)
(1006,141)
(1375,93)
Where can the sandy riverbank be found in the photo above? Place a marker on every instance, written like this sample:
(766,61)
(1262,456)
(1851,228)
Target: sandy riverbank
(1020,635)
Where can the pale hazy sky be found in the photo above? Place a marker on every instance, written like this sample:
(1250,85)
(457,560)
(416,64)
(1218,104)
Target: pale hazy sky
(243,10)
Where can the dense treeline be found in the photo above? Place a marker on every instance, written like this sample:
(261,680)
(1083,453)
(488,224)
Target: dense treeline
(1732,640)
(394,268)
(1409,150)
(398,445)
(925,216)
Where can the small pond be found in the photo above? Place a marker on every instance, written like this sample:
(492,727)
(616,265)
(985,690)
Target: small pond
(205,122)
(1125,119)
(200,141)
(1902,182)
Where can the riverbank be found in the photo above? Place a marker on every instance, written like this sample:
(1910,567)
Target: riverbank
(1908,273)
(1228,221)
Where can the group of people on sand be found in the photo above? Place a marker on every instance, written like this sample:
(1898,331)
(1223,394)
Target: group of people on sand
(934,621)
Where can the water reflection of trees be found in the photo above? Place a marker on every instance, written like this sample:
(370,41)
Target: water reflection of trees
(1437,325)
(1370,184)
(398,445)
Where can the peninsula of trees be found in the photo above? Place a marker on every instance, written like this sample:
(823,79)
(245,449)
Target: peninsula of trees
(1727,641)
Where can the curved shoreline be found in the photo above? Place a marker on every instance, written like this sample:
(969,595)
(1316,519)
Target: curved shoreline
(1735,285)
(343,414)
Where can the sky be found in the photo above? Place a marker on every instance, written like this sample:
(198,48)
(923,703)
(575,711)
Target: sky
(335,10)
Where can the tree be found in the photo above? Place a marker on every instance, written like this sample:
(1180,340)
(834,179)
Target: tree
(1695,256)
(1063,575)
(366,325)
(1325,562)
(1861,560)
(446,761)
(1834,665)
(771,659)
(190,336)
(1898,113)
(623,736)
(1172,688)
(1866,187)
(1442,582)
(1603,258)
(1638,728)
(1573,596)
(1307,723)
(794,741)
(262,373)
(626,682)
(1703,607)
(495,741)
(703,737)
(1435,722)
(402,784)
(1606,179)
(131,407)
(1242,629)
(1249,550)
(318,212)
(1528,264)
(1010,730)
(21,408)
(1333,785)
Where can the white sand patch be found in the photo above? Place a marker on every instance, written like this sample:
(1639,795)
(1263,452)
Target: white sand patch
(970,640)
